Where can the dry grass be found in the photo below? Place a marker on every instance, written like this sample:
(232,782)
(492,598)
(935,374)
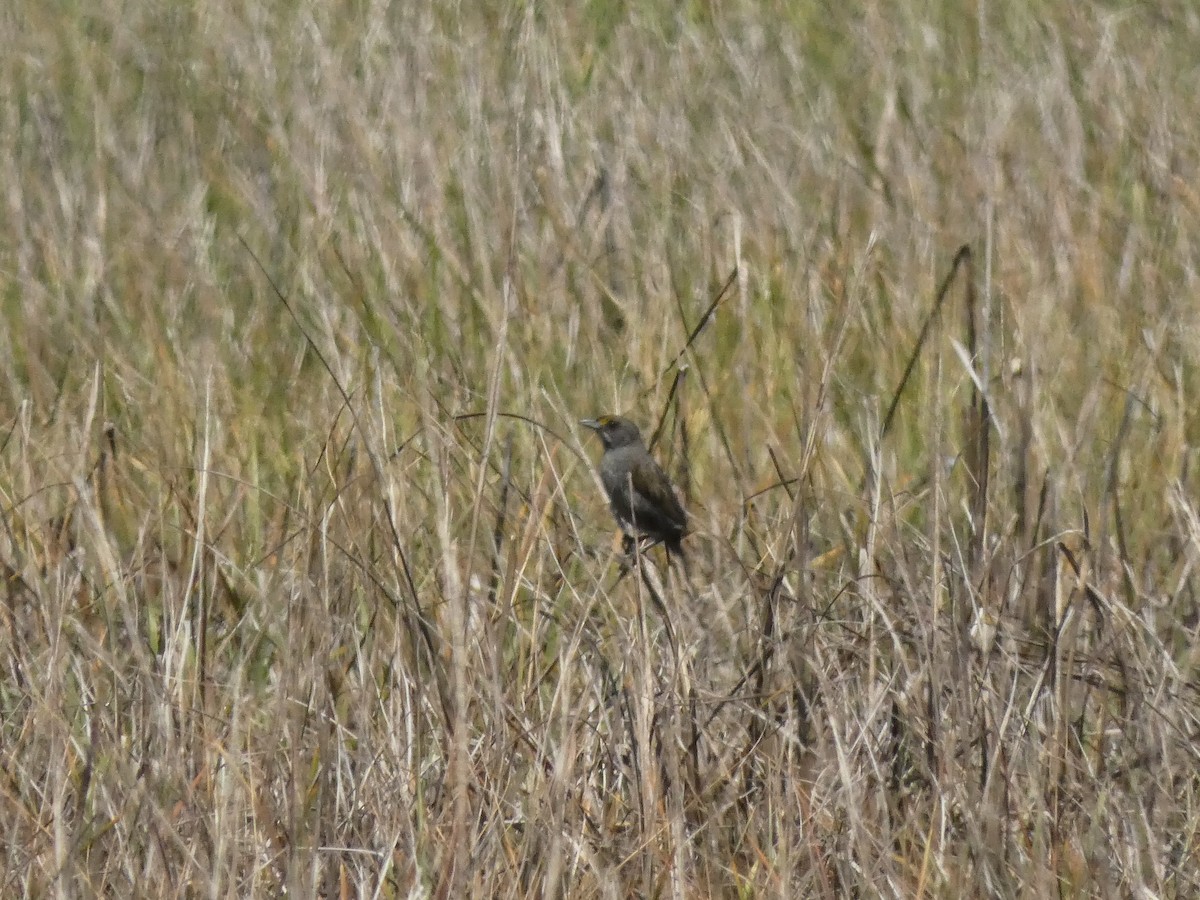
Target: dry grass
(313,591)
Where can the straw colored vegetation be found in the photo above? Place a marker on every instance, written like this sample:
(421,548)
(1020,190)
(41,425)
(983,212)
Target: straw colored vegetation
(308,583)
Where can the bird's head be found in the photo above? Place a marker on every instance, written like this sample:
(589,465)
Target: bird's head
(614,431)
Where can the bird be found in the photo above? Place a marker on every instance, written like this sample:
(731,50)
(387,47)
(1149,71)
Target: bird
(639,492)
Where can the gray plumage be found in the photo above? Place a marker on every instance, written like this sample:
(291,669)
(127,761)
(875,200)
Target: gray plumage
(639,492)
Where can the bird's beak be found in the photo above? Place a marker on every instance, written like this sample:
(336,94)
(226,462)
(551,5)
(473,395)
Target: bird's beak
(590,423)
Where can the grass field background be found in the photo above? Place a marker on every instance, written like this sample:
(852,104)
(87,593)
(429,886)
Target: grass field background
(309,587)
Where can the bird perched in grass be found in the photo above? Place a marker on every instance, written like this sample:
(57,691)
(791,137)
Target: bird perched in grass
(639,492)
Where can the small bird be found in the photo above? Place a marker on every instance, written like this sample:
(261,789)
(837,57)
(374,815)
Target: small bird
(639,491)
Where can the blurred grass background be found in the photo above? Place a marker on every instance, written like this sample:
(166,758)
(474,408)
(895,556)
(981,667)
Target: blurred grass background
(309,587)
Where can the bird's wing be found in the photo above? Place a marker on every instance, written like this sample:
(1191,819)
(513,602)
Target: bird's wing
(657,508)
